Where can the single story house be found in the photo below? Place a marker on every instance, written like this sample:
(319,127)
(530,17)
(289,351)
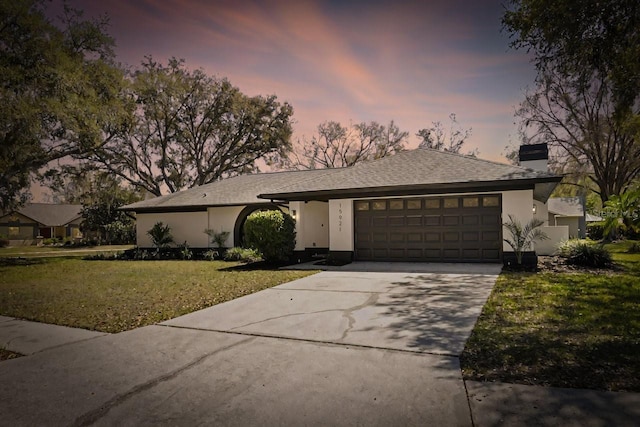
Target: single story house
(45,220)
(417,205)
(568,211)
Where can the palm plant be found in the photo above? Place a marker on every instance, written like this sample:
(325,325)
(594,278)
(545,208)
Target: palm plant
(160,235)
(218,238)
(523,236)
(621,209)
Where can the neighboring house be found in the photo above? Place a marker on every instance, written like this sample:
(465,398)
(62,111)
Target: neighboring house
(418,205)
(41,219)
(568,211)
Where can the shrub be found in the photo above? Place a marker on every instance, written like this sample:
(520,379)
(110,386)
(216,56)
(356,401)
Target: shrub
(242,254)
(4,242)
(218,238)
(210,255)
(272,233)
(185,253)
(585,253)
(595,230)
(160,235)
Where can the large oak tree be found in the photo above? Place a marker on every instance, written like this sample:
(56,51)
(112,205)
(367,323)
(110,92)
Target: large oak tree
(60,91)
(189,129)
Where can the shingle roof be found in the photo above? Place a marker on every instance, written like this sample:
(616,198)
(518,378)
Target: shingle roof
(566,206)
(420,169)
(239,190)
(51,215)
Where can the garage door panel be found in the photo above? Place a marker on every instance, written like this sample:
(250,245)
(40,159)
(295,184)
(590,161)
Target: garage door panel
(396,237)
(363,222)
(414,220)
(451,236)
(432,220)
(379,237)
(396,221)
(363,237)
(379,221)
(464,228)
(414,237)
(432,237)
(433,254)
(490,236)
(451,220)
(452,254)
(381,253)
(490,220)
(470,236)
(470,219)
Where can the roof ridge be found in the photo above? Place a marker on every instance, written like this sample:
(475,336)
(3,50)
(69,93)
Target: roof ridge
(493,162)
(326,170)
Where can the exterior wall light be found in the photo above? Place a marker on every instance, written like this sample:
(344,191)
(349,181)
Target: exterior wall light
(535,209)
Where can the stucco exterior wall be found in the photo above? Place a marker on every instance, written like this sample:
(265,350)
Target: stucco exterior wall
(519,204)
(223,219)
(542,212)
(573,223)
(341,225)
(556,235)
(185,226)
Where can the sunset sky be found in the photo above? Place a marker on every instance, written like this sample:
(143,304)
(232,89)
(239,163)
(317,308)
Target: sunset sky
(411,61)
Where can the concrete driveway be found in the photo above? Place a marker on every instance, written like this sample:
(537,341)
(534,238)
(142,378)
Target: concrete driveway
(336,348)
(425,312)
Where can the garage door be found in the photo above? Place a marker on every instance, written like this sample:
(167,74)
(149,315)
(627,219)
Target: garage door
(440,229)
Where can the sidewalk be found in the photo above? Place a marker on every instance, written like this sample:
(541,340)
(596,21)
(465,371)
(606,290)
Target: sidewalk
(78,375)
(24,337)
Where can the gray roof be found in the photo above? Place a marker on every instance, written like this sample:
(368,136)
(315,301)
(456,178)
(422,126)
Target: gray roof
(236,191)
(51,215)
(420,170)
(566,206)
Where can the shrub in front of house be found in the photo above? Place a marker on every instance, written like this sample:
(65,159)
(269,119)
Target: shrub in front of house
(585,253)
(595,230)
(242,254)
(272,233)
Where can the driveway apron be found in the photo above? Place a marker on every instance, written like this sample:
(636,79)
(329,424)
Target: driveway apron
(335,348)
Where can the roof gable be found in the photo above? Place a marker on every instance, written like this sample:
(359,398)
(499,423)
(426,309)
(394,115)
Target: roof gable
(235,191)
(51,215)
(566,206)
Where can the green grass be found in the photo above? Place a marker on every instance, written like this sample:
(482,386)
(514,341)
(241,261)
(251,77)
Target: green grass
(562,330)
(114,296)
(53,251)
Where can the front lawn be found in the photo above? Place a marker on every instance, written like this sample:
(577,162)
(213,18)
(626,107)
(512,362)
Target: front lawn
(56,251)
(114,296)
(561,329)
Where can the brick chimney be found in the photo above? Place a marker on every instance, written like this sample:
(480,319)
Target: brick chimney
(534,156)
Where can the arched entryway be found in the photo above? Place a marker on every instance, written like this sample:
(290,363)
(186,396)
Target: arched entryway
(238,233)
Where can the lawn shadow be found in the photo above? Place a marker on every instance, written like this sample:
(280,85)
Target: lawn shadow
(13,261)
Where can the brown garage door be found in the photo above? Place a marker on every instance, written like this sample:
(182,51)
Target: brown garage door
(444,229)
